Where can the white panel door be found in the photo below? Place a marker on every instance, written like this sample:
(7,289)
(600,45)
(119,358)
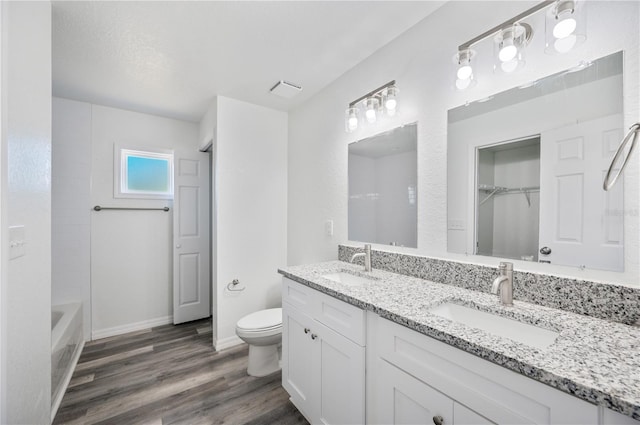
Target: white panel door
(580,223)
(191,257)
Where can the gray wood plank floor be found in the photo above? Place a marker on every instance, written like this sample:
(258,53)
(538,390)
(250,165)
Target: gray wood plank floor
(171,375)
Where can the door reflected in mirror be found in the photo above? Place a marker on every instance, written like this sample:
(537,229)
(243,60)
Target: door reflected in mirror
(525,170)
(383,188)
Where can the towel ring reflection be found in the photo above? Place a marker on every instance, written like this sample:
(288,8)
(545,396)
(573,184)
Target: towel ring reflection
(609,182)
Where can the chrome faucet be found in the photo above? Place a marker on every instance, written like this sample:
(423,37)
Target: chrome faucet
(504,284)
(367,257)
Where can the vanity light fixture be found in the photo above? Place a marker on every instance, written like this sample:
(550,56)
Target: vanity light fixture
(565,23)
(374,104)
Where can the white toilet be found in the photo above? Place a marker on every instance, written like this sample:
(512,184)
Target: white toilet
(262,330)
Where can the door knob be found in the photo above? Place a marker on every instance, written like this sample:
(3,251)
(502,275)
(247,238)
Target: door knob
(438,420)
(314,336)
(178,246)
(306,330)
(545,250)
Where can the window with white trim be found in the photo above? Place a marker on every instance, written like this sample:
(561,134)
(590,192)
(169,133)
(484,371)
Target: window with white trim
(143,174)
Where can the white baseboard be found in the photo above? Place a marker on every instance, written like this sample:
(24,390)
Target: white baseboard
(131,327)
(229,342)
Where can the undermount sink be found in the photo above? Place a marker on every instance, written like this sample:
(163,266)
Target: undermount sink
(525,333)
(348,279)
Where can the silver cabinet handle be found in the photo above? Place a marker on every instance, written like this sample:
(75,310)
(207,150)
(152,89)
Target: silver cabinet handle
(314,336)
(438,420)
(610,181)
(306,330)
(545,250)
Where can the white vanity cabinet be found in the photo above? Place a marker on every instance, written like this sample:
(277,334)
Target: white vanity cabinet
(323,355)
(416,379)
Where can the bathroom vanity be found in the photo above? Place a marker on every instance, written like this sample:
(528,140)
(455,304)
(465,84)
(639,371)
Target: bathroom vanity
(377,348)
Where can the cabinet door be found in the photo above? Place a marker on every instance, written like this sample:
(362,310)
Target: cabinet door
(403,399)
(299,360)
(341,377)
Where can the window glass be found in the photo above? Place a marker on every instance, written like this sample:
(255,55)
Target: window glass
(144,174)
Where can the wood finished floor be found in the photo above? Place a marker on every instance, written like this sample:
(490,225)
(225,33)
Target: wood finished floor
(171,375)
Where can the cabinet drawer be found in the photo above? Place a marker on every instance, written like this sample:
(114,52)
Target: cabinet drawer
(343,318)
(337,315)
(298,295)
(492,391)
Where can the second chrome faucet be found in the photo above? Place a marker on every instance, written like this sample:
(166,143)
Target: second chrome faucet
(367,257)
(504,284)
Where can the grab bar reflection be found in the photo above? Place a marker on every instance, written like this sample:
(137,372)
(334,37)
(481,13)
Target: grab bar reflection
(609,182)
(99,208)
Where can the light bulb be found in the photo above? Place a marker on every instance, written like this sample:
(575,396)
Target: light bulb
(507,52)
(509,66)
(564,28)
(391,104)
(563,45)
(371,112)
(390,101)
(351,119)
(371,115)
(463,84)
(353,123)
(464,72)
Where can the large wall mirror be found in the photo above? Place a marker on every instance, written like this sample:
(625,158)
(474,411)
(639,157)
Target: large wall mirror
(525,170)
(383,188)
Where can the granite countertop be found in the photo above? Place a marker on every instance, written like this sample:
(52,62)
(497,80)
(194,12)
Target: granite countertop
(593,359)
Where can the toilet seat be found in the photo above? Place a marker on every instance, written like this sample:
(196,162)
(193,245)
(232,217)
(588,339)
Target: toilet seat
(261,321)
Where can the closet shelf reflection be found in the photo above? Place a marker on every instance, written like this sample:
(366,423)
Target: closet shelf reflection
(501,190)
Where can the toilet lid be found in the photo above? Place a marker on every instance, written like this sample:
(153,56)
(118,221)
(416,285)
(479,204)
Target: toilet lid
(263,319)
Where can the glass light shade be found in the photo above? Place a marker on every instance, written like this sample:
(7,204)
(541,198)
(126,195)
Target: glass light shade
(464,61)
(565,26)
(351,119)
(371,109)
(509,47)
(390,100)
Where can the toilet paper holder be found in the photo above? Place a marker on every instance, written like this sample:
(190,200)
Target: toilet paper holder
(232,286)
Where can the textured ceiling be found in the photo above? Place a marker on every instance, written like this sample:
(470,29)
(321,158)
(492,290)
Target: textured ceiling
(171,58)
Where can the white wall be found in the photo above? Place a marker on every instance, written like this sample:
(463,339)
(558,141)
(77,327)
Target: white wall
(25,343)
(420,60)
(131,251)
(70,206)
(251,192)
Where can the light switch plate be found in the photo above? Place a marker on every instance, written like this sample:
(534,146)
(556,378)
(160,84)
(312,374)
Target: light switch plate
(16,242)
(328,227)
(456,224)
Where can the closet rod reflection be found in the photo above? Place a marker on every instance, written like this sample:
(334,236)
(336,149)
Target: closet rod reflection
(99,208)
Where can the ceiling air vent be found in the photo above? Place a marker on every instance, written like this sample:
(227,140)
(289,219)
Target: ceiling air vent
(285,89)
